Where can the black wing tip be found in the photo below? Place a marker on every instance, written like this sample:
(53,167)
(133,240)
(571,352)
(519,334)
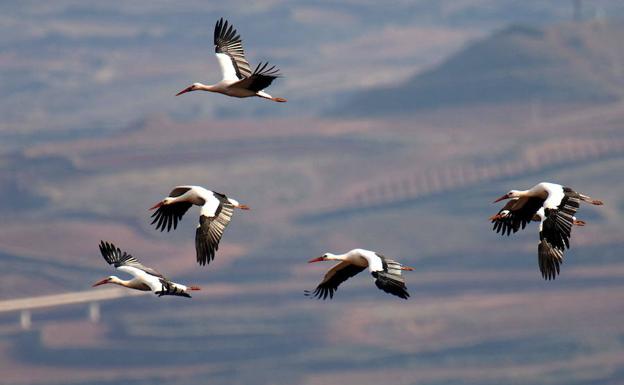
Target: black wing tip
(273,71)
(166,218)
(106,244)
(162,293)
(205,254)
(550,260)
(225,31)
(320,293)
(389,285)
(109,252)
(203,261)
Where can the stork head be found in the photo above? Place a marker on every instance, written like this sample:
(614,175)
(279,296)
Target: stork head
(509,195)
(192,87)
(106,280)
(324,257)
(163,202)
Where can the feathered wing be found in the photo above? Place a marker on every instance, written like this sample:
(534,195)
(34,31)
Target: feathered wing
(549,259)
(557,227)
(171,288)
(391,284)
(211,228)
(168,216)
(261,78)
(390,279)
(114,256)
(333,278)
(516,214)
(230,52)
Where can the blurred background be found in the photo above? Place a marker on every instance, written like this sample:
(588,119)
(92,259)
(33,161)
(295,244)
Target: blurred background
(405,120)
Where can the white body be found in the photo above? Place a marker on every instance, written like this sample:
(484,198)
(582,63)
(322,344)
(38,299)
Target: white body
(150,280)
(200,196)
(359,257)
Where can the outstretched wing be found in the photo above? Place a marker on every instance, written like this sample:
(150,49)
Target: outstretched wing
(333,278)
(211,228)
(168,216)
(391,283)
(230,52)
(170,288)
(557,227)
(261,78)
(549,259)
(114,256)
(516,214)
(390,279)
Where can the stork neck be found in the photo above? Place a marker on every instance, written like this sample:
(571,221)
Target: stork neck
(336,257)
(206,87)
(523,193)
(117,281)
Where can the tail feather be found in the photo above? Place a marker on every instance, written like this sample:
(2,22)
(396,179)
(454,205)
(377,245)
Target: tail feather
(588,199)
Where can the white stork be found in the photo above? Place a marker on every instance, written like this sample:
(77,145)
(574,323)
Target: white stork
(554,206)
(238,80)
(145,278)
(387,273)
(215,214)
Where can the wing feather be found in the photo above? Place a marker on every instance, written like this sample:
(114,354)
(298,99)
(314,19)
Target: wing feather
(261,78)
(557,227)
(210,230)
(168,216)
(333,278)
(229,43)
(549,259)
(513,217)
(114,256)
(390,279)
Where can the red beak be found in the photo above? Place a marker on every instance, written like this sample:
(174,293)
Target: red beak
(501,198)
(157,205)
(187,89)
(319,259)
(105,280)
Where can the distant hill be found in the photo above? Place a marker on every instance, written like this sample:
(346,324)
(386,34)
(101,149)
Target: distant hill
(567,63)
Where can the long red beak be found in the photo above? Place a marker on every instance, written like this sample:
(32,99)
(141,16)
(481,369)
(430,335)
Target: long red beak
(187,89)
(105,280)
(157,205)
(501,198)
(319,259)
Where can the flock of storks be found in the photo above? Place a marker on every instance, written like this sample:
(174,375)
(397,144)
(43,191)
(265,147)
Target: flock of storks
(552,205)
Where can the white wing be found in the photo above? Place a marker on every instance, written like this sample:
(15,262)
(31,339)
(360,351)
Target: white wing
(230,52)
(227,68)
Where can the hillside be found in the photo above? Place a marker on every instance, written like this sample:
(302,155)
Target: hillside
(570,63)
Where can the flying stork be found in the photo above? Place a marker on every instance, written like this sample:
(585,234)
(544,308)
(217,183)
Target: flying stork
(145,278)
(387,273)
(554,206)
(215,214)
(238,79)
